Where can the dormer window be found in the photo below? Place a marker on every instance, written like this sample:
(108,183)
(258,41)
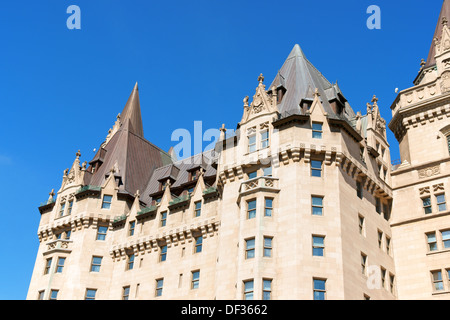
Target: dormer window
(317,130)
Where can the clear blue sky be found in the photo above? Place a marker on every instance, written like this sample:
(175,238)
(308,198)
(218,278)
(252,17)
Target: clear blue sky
(61,89)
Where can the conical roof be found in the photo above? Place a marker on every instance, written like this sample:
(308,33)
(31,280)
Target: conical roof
(132,111)
(445,12)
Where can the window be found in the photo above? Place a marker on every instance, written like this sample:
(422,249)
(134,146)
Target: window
(388,245)
(252,143)
(248,290)
(438,284)
(361,154)
(163,219)
(432,243)
(68,233)
(48,266)
(61,210)
(198,244)
(96,263)
(361,222)
(198,209)
(446,239)
(319,289)
(440,200)
(316,168)
(267,289)
(448,143)
(317,130)
(159,287)
(41,295)
(69,209)
(90,294)
(60,265)
(250,248)
(378,205)
(317,205)
(264,139)
(131,228)
(251,209)
(54,294)
(125,293)
(101,233)
(268,207)
(267,252)
(392,283)
(195,279)
(318,246)
(380,239)
(359,189)
(163,254)
(267,171)
(427,205)
(363,263)
(106,204)
(130,263)
(252,175)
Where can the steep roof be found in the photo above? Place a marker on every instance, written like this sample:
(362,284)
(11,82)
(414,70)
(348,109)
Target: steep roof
(445,12)
(133,157)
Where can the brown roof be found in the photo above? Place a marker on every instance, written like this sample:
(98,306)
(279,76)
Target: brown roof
(445,12)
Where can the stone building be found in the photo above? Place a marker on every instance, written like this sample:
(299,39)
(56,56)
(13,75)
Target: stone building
(300,202)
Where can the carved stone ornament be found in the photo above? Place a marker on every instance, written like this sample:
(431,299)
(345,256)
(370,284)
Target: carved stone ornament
(424,190)
(445,81)
(428,172)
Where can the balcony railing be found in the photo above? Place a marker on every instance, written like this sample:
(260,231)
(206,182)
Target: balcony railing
(260,183)
(61,245)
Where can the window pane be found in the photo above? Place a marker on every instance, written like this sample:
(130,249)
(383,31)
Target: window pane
(267,171)
(252,175)
(317,201)
(319,284)
(316,164)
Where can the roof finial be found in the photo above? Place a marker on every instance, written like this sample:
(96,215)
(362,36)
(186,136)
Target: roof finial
(78,154)
(246,101)
(374,100)
(261,78)
(316,93)
(422,63)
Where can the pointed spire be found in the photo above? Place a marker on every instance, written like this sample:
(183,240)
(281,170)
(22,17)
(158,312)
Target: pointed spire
(443,18)
(132,112)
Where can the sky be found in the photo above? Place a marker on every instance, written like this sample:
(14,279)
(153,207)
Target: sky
(61,89)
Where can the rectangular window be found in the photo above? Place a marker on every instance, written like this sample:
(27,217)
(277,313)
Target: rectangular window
(159,287)
(96,263)
(126,293)
(198,209)
(380,239)
(90,294)
(440,200)
(438,284)
(392,283)
(250,248)
(163,219)
(432,242)
(264,139)
(252,175)
(268,207)
(318,246)
(54,294)
(363,263)
(198,244)
(388,245)
(251,209)
(317,130)
(60,265)
(361,222)
(61,210)
(130,263)
(69,209)
(267,289)
(267,247)
(267,171)
(41,295)
(106,204)
(445,239)
(319,291)
(359,189)
(131,228)
(163,254)
(68,233)
(101,233)
(427,205)
(252,143)
(316,168)
(248,290)
(48,266)
(195,279)
(378,205)
(317,205)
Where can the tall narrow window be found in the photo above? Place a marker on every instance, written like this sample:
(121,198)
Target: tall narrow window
(248,290)
(388,245)
(427,205)
(60,265)
(383,277)
(319,289)
(198,244)
(96,264)
(198,209)
(41,295)
(317,205)
(438,284)
(251,209)
(448,143)
(392,283)
(446,239)
(48,265)
(90,294)
(69,209)
(130,263)
(195,279)
(318,246)
(101,233)
(378,205)
(380,239)
(267,289)
(61,210)
(432,243)
(126,293)
(163,254)
(267,247)
(106,204)
(316,168)
(159,287)
(359,189)
(440,200)
(264,139)
(131,228)
(361,222)
(163,219)
(268,207)
(317,130)
(250,248)
(363,263)
(252,143)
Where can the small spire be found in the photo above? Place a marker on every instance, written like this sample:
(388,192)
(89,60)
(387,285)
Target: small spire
(222,132)
(78,154)
(261,78)
(316,93)
(374,100)
(422,64)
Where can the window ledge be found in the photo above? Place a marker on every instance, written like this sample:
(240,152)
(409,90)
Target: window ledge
(438,251)
(435,293)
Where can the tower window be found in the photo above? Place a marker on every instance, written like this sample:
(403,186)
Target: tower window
(106,204)
(317,130)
